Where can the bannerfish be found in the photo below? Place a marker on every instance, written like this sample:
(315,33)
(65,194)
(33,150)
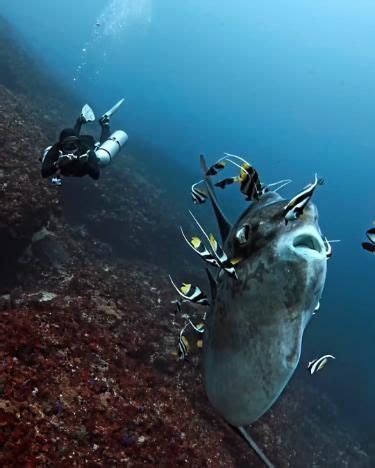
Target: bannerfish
(183,345)
(187,340)
(197,245)
(297,204)
(216,167)
(198,195)
(191,293)
(255,323)
(221,257)
(370,246)
(214,257)
(248,178)
(317,364)
(371,235)
(199,327)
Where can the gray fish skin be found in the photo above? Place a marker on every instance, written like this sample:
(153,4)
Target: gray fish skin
(254,328)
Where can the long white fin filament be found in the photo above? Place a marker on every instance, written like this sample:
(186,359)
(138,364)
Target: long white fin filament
(255,447)
(283,183)
(234,156)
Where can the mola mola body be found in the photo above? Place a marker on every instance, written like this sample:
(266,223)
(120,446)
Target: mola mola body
(254,329)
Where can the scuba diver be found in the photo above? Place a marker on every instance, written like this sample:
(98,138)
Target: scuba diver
(78,155)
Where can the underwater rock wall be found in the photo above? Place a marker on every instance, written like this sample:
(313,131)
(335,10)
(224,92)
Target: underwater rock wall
(27,203)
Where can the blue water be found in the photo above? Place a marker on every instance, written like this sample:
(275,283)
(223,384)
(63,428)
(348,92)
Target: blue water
(290,85)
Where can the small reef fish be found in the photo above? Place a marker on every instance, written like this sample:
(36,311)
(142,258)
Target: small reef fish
(248,178)
(221,258)
(198,196)
(183,345)
(217,257)
(318,364)
(250,183)
(294,209)
(186,341)
(228,181)
(370,246)
(197,245)
(328,246)
(371,235)
(191,293)
(199,327)
(215,168)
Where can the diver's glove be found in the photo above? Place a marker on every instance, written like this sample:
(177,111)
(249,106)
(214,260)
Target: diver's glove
(104,120)
(64,159)
(84,157)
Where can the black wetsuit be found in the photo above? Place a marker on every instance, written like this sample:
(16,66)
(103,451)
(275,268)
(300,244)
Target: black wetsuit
(76,167)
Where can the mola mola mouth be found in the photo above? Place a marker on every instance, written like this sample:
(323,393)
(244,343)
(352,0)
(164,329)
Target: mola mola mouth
(254,329)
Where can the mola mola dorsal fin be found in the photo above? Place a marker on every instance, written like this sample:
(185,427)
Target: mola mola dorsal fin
(224,225)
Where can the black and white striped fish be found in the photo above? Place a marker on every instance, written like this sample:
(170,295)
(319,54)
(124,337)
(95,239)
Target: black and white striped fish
(217,167)
(370,246)
(228,181)
(250,182)
(199,327)
(183,345)
(191,293)
(221,257)
(318,364)
(199,196)
(198,246)
(187,341)
(294,209)
(248,178)
(371,235)
(328,246)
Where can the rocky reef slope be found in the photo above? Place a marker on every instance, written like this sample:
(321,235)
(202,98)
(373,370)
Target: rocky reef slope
(87,331)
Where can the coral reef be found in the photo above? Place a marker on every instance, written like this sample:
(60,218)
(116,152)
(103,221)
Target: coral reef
(87,331)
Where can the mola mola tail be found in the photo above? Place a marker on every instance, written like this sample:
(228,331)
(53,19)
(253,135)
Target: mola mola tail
(254,329)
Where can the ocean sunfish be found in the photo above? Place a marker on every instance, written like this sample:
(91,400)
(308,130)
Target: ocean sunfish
(254,327)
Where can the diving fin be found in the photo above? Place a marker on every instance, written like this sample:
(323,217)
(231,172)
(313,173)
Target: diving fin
(224,224)
(255,447)
(112,110)
(87,114)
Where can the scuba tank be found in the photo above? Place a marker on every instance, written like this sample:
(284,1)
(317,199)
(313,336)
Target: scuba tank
(111,147)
